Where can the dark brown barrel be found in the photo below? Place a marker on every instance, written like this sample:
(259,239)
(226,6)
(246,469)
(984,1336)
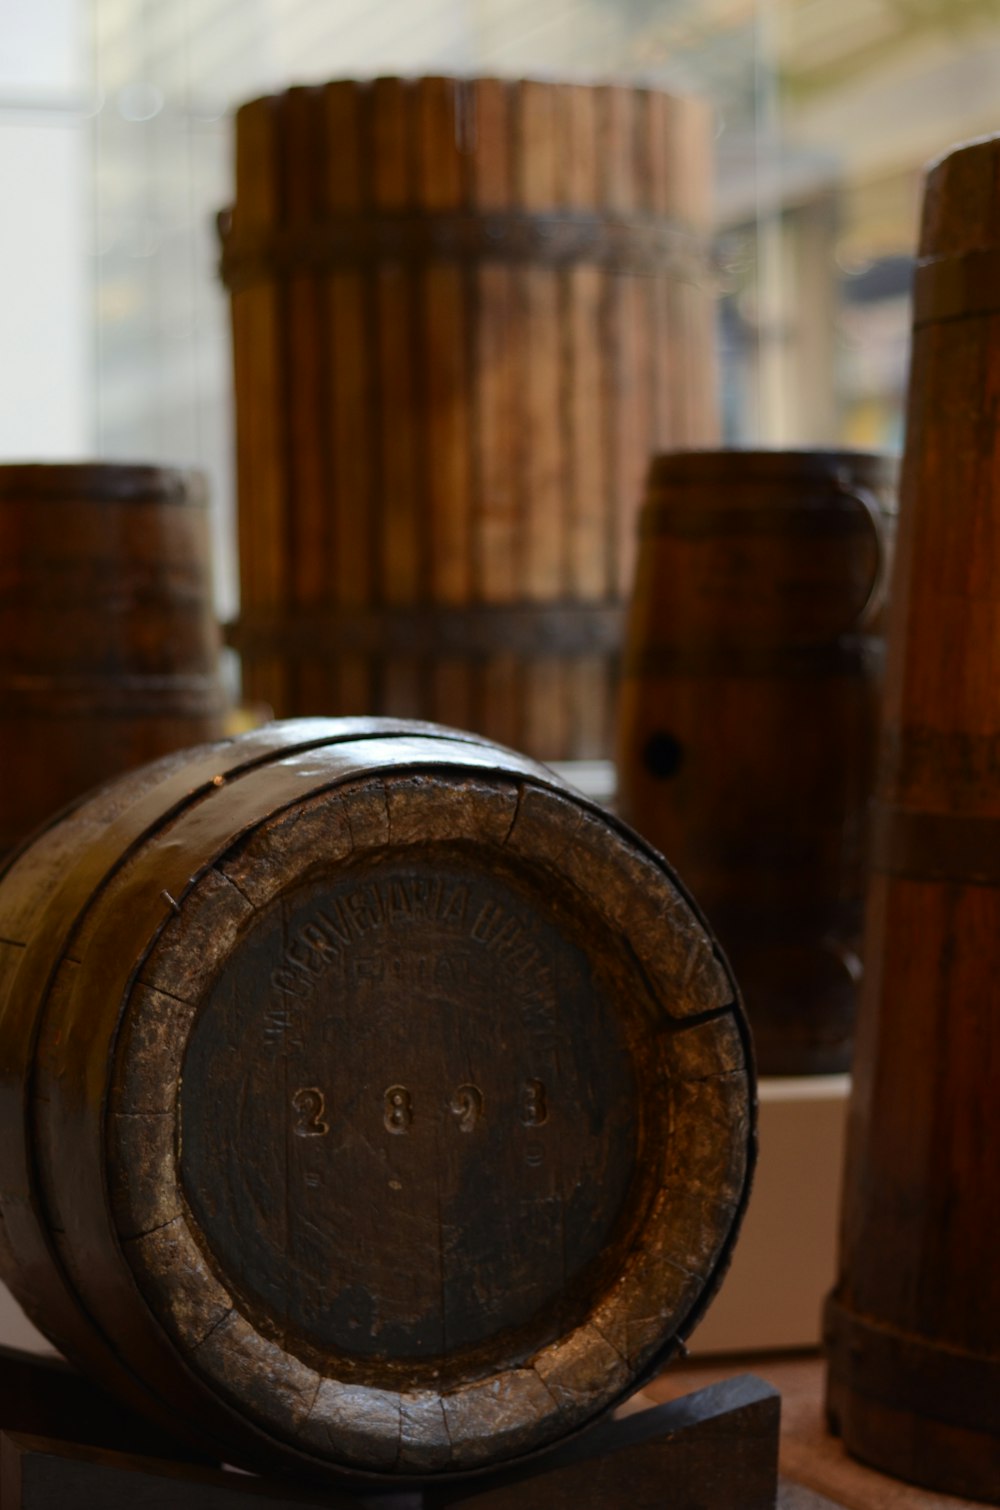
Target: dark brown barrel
(108,640)
(368,1101)
(914,1324)
(464,313)
(748,718)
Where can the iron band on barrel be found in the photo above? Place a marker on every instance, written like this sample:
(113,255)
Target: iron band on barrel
(957,288)
(697,522)
(850,655)
(921,846)
(640,243)
(436,629)
(910,1374)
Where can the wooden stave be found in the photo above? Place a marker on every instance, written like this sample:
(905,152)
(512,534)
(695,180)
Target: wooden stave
(212,1423)
(90,687)
(630,181)
(792,927)
(912,1395)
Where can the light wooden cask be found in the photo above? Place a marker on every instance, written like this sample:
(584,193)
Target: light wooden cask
(464,311)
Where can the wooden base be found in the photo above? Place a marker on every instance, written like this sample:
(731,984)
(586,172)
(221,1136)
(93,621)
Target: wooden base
(716,1449)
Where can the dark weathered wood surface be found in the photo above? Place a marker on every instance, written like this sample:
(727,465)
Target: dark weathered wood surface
(108,640)
(420,1093)
(914,1325)
(46,1397)
(713,1450)
(748,718)
(39,1473)
(464,311)
(815,1471)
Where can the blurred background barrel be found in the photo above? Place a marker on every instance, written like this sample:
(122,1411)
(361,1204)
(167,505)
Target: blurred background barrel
(748,720)
(463,314)
(108,639)
(914,1325)
(368,1101)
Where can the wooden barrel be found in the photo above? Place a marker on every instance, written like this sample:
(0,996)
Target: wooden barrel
(914,1323)
(369,1101)
(463,313)
(108,640)
(748,718)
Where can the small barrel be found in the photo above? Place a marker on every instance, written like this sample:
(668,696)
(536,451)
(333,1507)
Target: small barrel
(464,312)
(913,1328)
(108,640)
(748,718)
(369,1102)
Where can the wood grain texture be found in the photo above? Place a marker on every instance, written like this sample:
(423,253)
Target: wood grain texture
(388,1005)
(443,124)
(346,354)
(714,1450)
(914,1324)
(540,181)
(816,1473)
(108,640)
(717,1448)
(259,358)
(402,537)
(44,1396)
(301,167)
(497,465)
(489,400)
(38,1473)
(748,718)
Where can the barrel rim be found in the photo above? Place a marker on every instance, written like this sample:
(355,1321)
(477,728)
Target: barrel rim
(733,464)
(102,482)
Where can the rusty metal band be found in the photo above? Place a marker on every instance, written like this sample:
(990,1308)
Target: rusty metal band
(823,517)
(474,632)
(25,484)
(921,846)
(961,762)
(97,697)
(957,288)
(639,243)
(855,656)
(911,1374)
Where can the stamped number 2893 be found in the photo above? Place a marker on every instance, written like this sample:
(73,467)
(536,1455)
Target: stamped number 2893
(466,1106)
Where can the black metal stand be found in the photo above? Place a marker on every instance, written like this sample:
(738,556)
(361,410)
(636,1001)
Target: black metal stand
(716,1449)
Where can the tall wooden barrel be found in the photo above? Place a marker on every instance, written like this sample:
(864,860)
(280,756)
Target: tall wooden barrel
(108,640)
(748,718)
(914,1323)
(464,312)
(368,1101)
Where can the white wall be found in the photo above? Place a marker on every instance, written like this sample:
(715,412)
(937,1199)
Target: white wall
(45,296)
